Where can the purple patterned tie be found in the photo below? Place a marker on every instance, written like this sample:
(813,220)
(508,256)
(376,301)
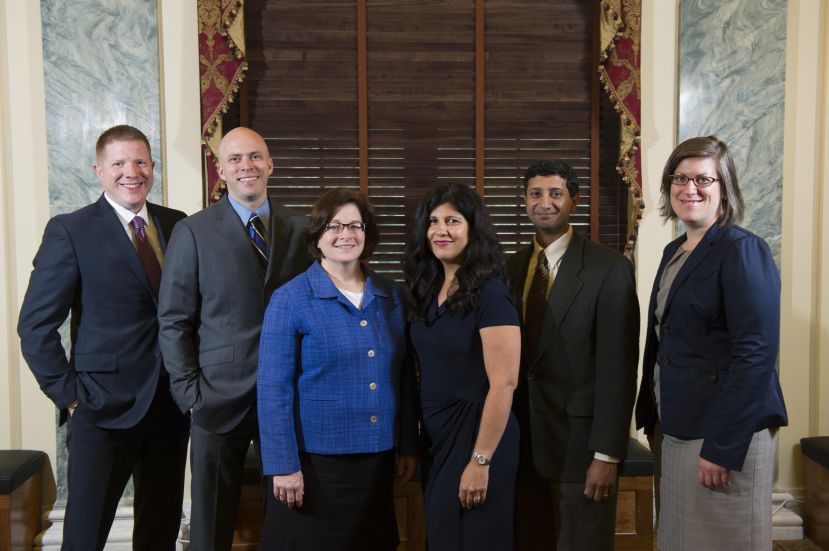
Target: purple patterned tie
(146,254)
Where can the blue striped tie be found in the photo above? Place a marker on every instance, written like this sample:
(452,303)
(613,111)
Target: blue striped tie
(256,232)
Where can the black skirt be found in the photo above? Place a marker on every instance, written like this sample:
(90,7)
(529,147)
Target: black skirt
(348,505)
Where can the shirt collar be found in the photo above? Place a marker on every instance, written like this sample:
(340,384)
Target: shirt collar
(264,210)
(323,287)
(127,215)
(555,250)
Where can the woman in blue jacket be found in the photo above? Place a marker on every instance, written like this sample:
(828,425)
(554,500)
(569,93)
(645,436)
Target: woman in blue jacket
(336,391)
(710,379)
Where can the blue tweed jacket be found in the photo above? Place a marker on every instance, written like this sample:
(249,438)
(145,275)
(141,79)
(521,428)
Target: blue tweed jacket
(334,379)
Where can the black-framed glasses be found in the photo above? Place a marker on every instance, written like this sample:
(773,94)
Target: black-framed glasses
(699,181)
(354,227)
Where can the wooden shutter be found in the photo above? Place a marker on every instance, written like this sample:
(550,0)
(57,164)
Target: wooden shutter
(302,94)
(538,103)
(417,114)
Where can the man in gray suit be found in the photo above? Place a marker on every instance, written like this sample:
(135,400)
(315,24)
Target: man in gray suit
(222,266)
(580,324)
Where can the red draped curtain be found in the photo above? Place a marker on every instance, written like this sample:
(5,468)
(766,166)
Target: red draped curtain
(222,68)
(619,72)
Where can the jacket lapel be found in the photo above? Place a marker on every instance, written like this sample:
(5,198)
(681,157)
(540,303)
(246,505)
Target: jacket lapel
(518,267)
(115,234)
(229,225)
(278,240)
(699,254)
(162,230)
(566,286)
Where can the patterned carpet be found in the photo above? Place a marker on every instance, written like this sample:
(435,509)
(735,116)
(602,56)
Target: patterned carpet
(787,545)
(795,545)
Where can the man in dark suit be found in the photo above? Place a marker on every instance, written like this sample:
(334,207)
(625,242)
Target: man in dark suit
(580,326)
(102,264)
(224,264)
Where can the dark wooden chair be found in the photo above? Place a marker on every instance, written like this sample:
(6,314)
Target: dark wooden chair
(816,470)
(20,498)
(634,509)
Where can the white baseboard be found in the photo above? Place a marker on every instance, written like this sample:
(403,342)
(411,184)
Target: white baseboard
(120,535)
(787,524)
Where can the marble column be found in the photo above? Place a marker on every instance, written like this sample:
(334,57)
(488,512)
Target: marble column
(732,71)
(101,68)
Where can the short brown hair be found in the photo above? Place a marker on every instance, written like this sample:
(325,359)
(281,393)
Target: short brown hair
(323,211)
(121,133)
(709,147)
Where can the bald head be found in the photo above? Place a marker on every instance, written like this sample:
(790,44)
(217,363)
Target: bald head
(245,164)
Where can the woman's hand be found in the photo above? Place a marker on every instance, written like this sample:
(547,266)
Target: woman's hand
(474,482)
(289,489)
(712,476)
(405,468)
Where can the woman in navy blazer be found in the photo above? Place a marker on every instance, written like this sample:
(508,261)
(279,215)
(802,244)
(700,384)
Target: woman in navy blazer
(336,391)
(710,381)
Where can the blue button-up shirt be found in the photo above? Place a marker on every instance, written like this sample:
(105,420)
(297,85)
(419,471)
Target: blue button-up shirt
(263,210)
(330,374)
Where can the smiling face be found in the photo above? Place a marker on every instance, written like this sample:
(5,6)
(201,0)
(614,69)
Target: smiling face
(448,234)
(549,206)
(244,164)
(697,207)
(347,246)
(126,171)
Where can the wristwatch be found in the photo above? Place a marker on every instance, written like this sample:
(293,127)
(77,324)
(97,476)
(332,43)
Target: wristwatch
(480,458)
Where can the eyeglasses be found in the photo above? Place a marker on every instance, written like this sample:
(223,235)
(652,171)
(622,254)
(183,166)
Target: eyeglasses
(699,181)
(354,227)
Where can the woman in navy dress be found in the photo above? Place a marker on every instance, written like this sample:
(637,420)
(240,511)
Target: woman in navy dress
(466,336)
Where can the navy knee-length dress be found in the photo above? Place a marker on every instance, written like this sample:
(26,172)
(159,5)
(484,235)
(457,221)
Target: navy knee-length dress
(453,389)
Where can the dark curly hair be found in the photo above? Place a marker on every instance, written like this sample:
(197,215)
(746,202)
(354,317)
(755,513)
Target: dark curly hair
(482,258)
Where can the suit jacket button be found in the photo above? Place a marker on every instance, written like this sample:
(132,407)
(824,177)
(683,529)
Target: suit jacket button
(530,376)
(157,354)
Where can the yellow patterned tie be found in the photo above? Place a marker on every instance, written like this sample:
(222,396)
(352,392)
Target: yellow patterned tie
(536,304)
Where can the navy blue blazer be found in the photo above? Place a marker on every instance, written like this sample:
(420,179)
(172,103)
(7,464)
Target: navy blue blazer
(87,265)
(717,348)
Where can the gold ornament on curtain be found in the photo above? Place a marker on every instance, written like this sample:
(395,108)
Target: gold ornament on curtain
(222,68)
(619,73)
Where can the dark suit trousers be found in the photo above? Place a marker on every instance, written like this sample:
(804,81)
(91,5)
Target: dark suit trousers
(552,515)
(101,461)
(217,462)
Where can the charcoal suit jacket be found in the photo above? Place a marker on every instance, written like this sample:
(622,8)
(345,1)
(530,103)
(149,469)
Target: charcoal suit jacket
(576,392)
(214,290)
